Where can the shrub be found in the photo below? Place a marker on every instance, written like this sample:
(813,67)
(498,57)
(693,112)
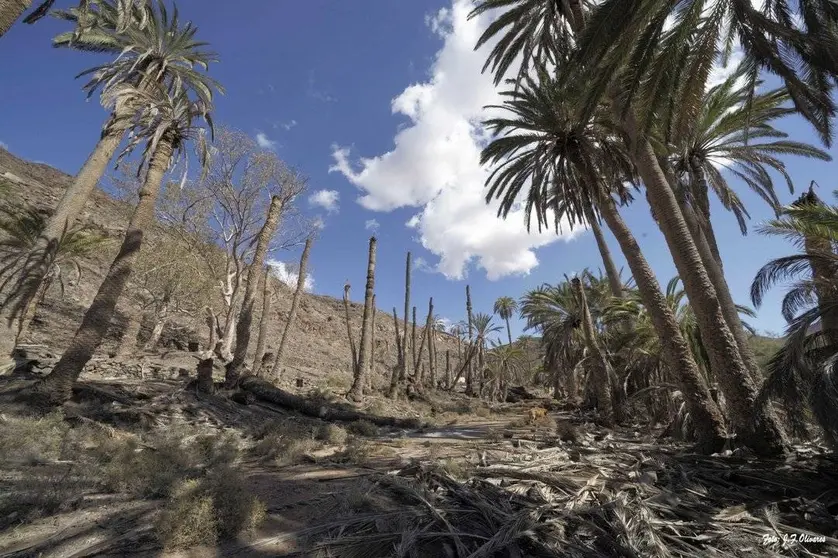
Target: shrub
(332,434)
(200,512)
(363,428)
(33,439)
(188,519)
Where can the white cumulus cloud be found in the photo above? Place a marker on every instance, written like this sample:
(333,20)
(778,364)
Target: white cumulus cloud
(289,275)
(264,141)
(435,162)
(327,199)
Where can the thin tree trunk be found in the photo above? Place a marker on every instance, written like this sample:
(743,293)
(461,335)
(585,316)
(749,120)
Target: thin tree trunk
(94,326)
(755,424)
(415,362)
(292,314)
(257,267)
(370,383)
(607,261)
(469,370)
(397,371)
(264,321)
(707,418)
(205,384)
(427,334)
(602,379)
(42,255)
(447,368)
(212,324)
(508,331)
(10,12)
(404,372)
(128,341)
(156,332)
(356,392)
(352,348)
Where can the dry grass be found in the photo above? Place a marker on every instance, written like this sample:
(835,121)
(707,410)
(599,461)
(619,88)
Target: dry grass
(33,439)
(332,434)
(200,512)
(363,428)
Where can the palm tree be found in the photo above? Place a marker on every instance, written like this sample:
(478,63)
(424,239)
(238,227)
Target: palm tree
(505,307)
(803,373)
(566,168)
(483,327)
(757,424)
(507,364)
(166,121)
(13,10)
(22,229)
(153,47)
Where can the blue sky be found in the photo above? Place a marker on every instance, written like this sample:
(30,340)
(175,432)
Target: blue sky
(376,101)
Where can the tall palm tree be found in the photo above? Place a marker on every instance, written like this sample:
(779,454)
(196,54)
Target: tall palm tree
(507,365)
(757,424)
(154,47)
(567,166)
(803,373)
(168,122)
(483,327)
(505,307)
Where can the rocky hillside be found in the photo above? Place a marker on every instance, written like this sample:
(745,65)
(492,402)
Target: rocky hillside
(318,349)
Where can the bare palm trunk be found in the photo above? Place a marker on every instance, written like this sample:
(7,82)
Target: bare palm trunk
(257,267)
(508,330)
(31,309)
(352,347)
(469,369)
(10,12)
(607,261)
(394,377)
(371,374)
(356,392)
(42,255)
(58,385)
(292,314)
(756,425)
(707,418)
(264,320)
(447,368)
(404,372)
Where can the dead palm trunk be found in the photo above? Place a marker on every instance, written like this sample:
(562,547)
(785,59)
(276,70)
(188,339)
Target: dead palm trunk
(370,383)
(58,385)
(470,369)
(10,12)
(264,320)
(257,267)
(394,377)
(601,381)
(607,261)
(755,424)
(292,314)
(352,348)
(404,372)
(447,368)
(356,392)
(707,418)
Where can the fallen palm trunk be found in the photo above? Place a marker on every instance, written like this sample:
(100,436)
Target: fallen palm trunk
(327,411)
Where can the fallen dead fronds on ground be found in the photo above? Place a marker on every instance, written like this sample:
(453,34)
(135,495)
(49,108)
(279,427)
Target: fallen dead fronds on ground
(624,499)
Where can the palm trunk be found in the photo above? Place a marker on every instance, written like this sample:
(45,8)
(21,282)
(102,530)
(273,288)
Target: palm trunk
(352,348)
(404,372)
(10,12)
(508,331)
(716,275)
(607,261)
(756,425)
(356,392)
(257,267)
(292,314)
(94,326)
(31,309)
(264,320)
(370,383)
(43,253)
(469,369)
(601,382)
(707,418)
(414,361)
(394,377)
(427,335)
(447,368)
(702,199)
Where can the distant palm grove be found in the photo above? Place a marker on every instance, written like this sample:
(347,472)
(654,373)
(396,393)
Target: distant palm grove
(604,104)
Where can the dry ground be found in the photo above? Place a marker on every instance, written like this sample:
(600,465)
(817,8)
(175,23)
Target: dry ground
(106,477)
